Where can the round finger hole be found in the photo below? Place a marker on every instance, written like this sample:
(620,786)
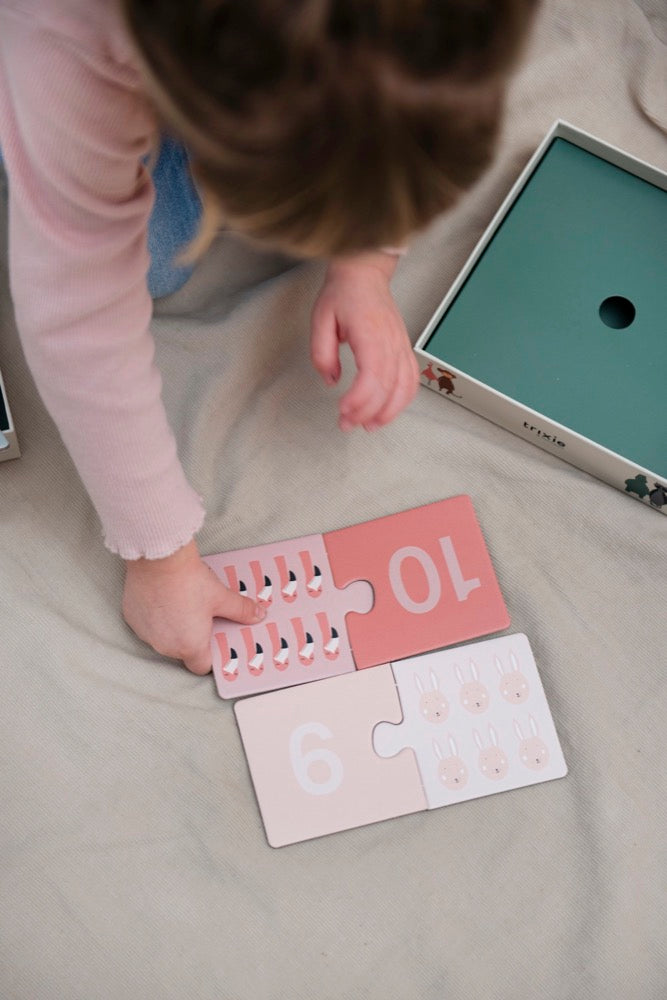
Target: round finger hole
(617,312)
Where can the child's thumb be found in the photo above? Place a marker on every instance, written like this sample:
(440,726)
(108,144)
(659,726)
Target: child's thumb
(236,607)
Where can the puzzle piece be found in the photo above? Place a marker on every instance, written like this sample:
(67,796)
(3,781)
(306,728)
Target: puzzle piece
(405,737)
(312,762)
(477,720)
(357,597)
(303,636)
(432,578)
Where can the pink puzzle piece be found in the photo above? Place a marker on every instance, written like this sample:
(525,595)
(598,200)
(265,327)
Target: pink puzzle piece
(357,597)
(312,761)
(303,636)
(432,578)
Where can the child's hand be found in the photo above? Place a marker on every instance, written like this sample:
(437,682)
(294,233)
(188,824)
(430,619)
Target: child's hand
(355,306)
(170,604)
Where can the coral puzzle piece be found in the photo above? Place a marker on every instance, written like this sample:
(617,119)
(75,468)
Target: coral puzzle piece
(431,575)
(399,739)
(357,597)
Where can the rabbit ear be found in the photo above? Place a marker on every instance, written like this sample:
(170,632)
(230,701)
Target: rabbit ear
(459,674)
(474,671)
(493,736)
(420,686)
(478,739)
(434,681)
(533,725)
(437,750)
(517,730)
(514,662)
(499,666)
(452,746)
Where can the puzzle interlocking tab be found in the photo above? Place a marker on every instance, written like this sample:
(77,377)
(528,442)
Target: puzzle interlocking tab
(426,732)
(357,597)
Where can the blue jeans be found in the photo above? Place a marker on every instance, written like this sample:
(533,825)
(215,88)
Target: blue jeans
(174,220)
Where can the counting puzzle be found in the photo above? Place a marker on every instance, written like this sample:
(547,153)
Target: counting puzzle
(418,734)
(356,598)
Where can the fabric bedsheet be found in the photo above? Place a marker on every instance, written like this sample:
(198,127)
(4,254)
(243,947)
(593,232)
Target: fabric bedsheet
(134,863)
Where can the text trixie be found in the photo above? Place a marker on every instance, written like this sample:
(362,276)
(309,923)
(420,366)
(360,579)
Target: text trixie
(545,437)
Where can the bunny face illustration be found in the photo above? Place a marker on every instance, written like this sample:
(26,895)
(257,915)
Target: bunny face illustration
(493,762)
(513,685)
(452,770)
(533,751)
(433,706)
(474,695)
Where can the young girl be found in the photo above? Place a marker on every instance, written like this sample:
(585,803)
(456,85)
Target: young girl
(330,128)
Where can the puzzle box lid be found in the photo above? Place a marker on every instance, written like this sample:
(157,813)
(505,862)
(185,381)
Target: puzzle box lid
(529,320)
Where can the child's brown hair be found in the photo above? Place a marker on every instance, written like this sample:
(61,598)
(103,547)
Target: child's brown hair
(331,126)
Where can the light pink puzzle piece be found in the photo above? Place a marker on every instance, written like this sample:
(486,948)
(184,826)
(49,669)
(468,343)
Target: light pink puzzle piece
(312,762)
(432,579)
(321,755)
(303,636)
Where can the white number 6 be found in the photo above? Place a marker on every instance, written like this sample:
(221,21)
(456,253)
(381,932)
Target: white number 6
(301,762)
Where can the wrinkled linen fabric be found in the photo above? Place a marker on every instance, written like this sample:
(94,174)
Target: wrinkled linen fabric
(134,861)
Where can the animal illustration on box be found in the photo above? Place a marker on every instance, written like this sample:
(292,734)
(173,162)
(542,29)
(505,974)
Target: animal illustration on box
(658,495)
(443,377)
(639,486)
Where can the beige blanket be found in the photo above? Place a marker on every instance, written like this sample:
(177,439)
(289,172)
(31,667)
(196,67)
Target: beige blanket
(134,863)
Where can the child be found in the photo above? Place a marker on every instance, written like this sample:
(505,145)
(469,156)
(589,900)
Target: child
(324,128)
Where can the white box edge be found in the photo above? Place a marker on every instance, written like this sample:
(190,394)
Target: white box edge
(13,450)
(584,453)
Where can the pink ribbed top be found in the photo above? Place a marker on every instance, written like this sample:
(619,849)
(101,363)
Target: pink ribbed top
(74,126)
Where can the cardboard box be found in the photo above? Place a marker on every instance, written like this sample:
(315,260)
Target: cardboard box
(9,446)
(556,327)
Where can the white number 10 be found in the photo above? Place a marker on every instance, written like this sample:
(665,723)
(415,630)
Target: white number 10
(462,587)
(301,762)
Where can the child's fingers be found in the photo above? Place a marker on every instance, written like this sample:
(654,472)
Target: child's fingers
(198,661)
(373,384)
(227,604)
(366,397)
(324,344)
(403,393)
(375,400)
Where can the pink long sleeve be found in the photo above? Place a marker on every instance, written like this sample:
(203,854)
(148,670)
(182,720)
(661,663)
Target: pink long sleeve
(73,128)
